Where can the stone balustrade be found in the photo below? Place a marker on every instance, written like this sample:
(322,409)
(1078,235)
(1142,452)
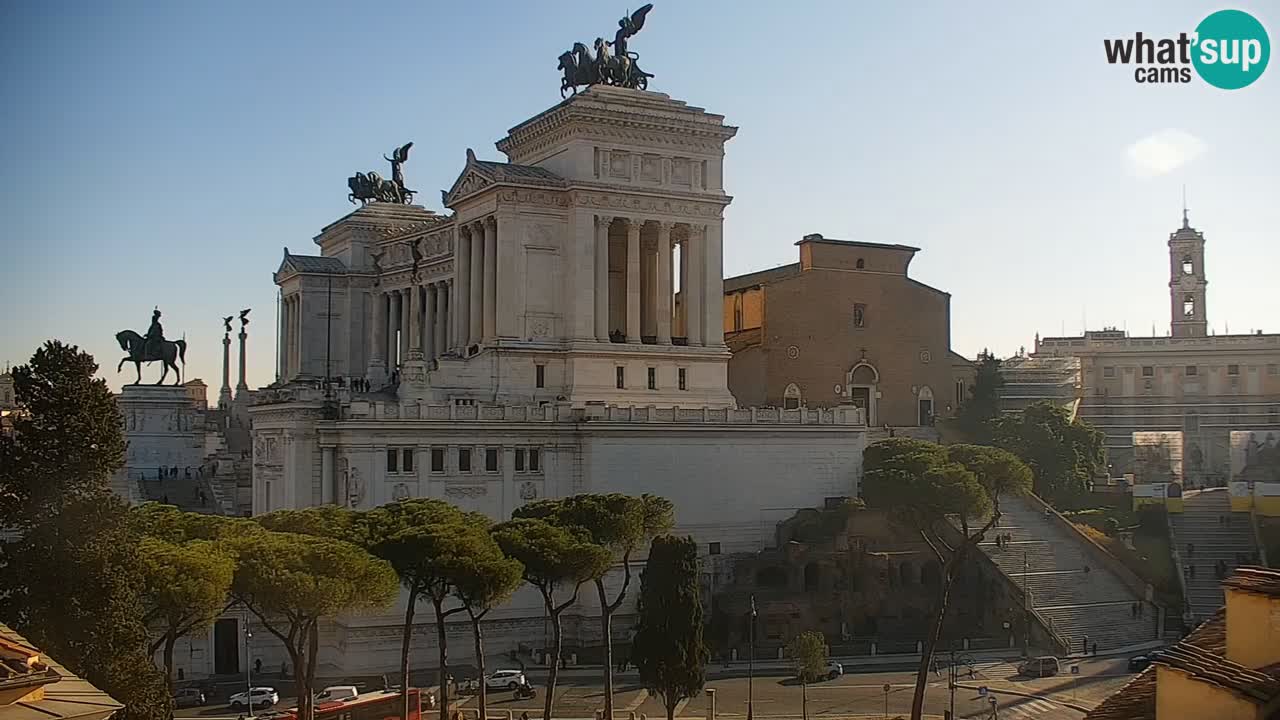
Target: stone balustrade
(563,412)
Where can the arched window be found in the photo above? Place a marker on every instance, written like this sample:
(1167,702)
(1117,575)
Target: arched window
(1189,306)
(791,397)
(1188,267)
(861,263)
(926,406)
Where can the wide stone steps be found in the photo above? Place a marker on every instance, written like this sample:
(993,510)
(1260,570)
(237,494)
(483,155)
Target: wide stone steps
(1049,562)
(1202,539)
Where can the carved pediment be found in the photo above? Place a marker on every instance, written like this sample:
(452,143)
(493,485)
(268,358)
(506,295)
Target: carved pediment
(470,181)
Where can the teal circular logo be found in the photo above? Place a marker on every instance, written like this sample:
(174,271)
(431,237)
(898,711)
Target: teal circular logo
(1232,49)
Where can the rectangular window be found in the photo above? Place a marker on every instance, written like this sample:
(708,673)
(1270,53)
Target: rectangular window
(1273,369)
(519,459)
(622,377)
(683,377)
(714,548)
(959,393)
(1233,369)
(535,459)
(406,460)
(540,376)
(437,459)
(393,454)
(653,378)
(464,459)
(1108,371)
(859,315)
(1148,371)
(1192,422)
(491,459)
(1191,371)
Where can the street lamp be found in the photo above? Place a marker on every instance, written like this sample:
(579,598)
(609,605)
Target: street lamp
(751,658)
(248,665)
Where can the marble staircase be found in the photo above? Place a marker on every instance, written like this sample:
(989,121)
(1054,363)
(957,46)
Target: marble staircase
(1204,533)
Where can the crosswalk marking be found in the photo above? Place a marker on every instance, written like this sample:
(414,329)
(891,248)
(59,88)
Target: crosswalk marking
(1029,708)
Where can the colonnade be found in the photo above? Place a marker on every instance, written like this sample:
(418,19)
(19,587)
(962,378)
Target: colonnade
(412,323)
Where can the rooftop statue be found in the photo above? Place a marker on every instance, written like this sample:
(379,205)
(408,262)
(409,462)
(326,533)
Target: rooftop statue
(616,66)
(150,348)
(371,187)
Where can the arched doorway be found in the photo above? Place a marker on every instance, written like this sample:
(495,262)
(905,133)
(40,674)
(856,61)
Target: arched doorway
(925,398)
(791,397)
(861,382)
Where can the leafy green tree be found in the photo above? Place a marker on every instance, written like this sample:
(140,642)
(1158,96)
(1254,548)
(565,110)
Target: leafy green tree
(553,558)
(291,581)
(619,523)
(184,588)
(71,573)
(1063,454)
(981,406)
(809,653)
(482,578)
(331,521)
(922,485)
(668,648)
(425,541)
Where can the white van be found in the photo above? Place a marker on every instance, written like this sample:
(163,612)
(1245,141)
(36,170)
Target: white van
(337,693)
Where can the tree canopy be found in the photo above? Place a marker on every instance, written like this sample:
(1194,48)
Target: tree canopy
(184,588)
(981,405)
(668,649)
(1064,454)
(809,655)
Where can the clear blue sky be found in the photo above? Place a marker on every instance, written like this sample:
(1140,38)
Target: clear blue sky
(164,152)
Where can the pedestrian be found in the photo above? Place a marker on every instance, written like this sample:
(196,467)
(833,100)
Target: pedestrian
(1133,610)
(257,666)
(1095,648)
(1086,569)
(1191,550)
(1193,572)
(164,500)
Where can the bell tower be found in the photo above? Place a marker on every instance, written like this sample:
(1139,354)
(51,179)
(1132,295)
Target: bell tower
(1187,281)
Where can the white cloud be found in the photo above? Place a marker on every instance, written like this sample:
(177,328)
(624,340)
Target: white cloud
(1164,152)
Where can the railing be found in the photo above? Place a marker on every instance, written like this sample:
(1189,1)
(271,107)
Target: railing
(631,414)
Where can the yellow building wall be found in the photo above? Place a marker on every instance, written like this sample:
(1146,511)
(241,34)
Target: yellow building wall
(1253,636)
(1180,697)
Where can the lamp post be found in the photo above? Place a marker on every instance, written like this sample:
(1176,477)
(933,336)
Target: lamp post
(248,665)
(1026,606)
(751,659)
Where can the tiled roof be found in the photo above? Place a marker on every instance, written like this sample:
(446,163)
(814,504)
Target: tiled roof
(511,171)
(1263,581)
(1213,668)
(67,698)
(316,264)
(760,277)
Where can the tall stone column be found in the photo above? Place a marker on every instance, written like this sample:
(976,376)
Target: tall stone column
(633,280)
(328,489)
(695,292)
(295,360)
(475,321)
(393,328)
(378,338)
(602,277)
(406,324)
(490,278)
(713,287)
(444,319)
(664,283)
(415,322)
(224,395)
(682,323)
(242,386)
(429,322)
(462,289)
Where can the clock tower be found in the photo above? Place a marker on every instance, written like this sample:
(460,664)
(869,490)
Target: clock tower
(1187,281)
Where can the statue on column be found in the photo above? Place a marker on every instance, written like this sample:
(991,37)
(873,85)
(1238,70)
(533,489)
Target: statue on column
(371,187)
(617,67)
(150,348)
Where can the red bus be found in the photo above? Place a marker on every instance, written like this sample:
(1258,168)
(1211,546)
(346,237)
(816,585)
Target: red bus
(382,705)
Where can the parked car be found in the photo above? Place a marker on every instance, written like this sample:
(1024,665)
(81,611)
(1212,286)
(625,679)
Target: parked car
(1138,663)
(188,697)
(337,692)
(834,670)
(1043,666)
(505,680)
(262,697)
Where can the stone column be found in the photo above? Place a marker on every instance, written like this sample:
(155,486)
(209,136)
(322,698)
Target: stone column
(406,323)
(682,325)
(241,386)
(393,327)
(429,344)
(415,322)
(713,287)
(295,360)
(475,319)
(378,360)
(224,395)
(462,289)
(490,278)
(633,280)
(648,287)
(444,314)
(327,484)
(694,292)
(664,283)
(602,277)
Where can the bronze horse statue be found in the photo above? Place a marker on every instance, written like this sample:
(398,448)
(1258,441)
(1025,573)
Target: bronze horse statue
(171,352)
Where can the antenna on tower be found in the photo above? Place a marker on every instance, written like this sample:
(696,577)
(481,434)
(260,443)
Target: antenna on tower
(1186,224)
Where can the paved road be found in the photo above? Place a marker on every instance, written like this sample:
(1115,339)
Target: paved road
(775,695)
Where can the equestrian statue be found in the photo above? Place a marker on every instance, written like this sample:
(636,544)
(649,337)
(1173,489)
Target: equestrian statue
(150,348)
(371,187)
(608,67)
